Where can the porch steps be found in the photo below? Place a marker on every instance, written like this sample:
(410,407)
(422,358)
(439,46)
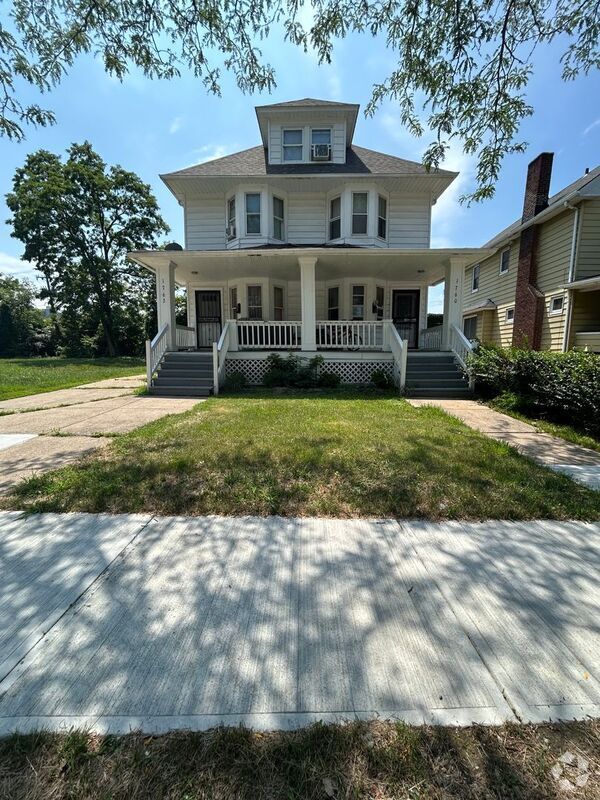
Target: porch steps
(435,375)
(184,374)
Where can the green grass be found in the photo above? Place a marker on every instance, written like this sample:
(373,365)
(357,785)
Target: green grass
(322,455)
(23,376)
(359,760)
(566,432)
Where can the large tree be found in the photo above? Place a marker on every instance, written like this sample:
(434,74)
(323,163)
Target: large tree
(470,60)
(77,219)
(24,330)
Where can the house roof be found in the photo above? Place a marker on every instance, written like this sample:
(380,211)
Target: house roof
(254,163)
(553,202)
(308,102)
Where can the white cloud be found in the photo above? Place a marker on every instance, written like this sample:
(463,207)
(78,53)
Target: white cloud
(176,124)
(11,265)
(591,127)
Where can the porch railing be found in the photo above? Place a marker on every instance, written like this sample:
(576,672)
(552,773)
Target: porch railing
(185,337)
(155,350)
(431,338)
(399,349)
(260,335)
(349,335)
(220,350)
(461,347)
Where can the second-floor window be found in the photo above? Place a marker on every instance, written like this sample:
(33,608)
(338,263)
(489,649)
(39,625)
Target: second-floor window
(359,213)
(475,278)
(231,218)
(382,217)
(278,219)
(504,260)
(292,144)
(253,213)
(335,218)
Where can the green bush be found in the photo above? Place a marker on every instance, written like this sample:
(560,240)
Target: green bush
(292,371)
(562,387)
(381,379)
(235,382)
(329,380)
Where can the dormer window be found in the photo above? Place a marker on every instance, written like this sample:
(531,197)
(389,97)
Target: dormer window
(292,144)
(320,144)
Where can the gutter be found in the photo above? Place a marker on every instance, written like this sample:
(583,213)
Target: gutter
(567,328)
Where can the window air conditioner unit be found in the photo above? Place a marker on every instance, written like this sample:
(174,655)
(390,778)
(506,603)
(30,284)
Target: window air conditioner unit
(321,152)
(230,231)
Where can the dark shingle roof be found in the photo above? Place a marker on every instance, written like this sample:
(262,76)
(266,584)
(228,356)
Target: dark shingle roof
(515,227)
(308,101)
(253,163)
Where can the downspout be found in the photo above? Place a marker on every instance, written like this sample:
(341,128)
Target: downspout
(570,292)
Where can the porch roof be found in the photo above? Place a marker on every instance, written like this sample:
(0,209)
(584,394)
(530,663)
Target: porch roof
(423,265)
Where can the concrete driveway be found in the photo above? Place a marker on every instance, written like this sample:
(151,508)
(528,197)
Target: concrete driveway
(45,431)
(119,623)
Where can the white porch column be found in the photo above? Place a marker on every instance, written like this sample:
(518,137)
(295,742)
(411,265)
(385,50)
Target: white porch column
(165,301)
(308,302)
(453,290)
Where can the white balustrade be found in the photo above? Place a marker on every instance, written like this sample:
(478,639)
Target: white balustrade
(269,335)
(220,350)
(155,350)
(431,338)
(185,337)
(350,335)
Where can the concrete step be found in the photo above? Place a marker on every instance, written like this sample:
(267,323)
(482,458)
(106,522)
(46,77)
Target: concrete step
(180,391)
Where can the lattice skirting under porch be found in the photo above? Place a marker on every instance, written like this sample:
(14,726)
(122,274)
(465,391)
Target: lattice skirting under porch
(349,371)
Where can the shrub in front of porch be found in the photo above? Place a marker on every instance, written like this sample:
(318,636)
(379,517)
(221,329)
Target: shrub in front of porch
(561,387)
(299,373)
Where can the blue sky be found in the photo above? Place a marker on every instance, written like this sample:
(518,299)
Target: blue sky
(153,126)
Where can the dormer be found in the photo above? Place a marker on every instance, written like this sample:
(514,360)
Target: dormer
(307,131)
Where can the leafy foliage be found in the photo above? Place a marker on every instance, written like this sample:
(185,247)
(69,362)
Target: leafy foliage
(77,220)
(24,331)
(381,380)
(468,64)
(300,373)
(563,387)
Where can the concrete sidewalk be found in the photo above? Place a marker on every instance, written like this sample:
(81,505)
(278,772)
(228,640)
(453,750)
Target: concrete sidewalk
(579,463)
(49,430)
(119,623)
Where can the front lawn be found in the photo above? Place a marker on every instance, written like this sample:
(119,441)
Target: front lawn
(320,455)
(363,761)
(23,376)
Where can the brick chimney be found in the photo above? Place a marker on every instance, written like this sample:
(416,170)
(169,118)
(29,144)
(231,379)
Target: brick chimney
(529,301)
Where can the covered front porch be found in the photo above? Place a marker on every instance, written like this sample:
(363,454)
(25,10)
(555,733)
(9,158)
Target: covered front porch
(342,301)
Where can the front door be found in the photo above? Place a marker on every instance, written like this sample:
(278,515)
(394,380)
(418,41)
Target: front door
(405,314)
(208,316)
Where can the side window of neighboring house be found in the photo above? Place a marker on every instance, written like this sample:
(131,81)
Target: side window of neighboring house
(359,213)
(358,302)
(333,302)
(510,315)
(335,222)
(475,278)
(231,218)
(233,301)
(504,261)
(382,218)
(379,298)
(277,303)
(278,219)
(557,304)
(292,145)
(255,302)
(253,214)
(470,327)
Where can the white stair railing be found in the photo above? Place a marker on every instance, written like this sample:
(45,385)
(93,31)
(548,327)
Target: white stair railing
(155,350)
(399,349)
(185,336)
(461,347)
(220,350)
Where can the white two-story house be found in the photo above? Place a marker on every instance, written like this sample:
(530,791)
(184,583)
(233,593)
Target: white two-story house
(305,243)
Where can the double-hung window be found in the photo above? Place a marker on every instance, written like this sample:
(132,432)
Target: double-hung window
(382,217)
(278,219)
(359,213)
(254,296)
(277,302)
(333,302)
(253,214)
(231,218)
(292,144)
(475,278)
(335,218)
(320,144)
(233,302)
(470,327)
(379,298)
(510,315)
(358,302)
(504,261)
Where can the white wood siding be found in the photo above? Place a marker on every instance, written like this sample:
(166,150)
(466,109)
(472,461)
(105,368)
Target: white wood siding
(205,223)
(588,251)
(307,218)
(409,220)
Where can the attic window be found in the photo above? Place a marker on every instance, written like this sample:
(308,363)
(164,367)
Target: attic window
(292,145)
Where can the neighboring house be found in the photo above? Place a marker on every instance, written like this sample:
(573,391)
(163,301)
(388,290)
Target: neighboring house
(541,285)
(307,243)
